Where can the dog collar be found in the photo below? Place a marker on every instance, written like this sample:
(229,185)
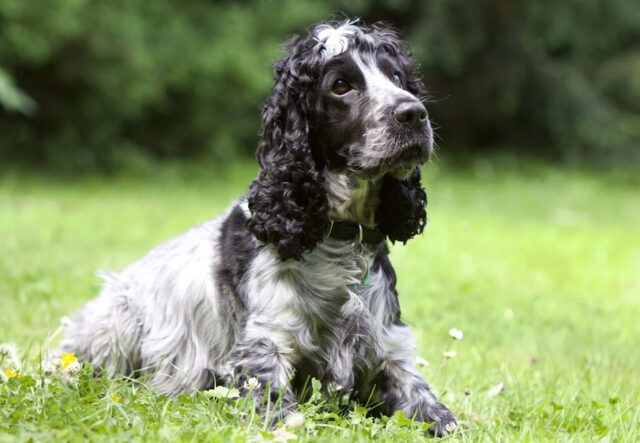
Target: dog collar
(339,230)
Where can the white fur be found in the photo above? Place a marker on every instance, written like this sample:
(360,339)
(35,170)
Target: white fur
(335,40)
(160,314)
(351,198)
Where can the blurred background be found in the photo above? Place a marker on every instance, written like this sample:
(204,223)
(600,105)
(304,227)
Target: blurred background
(123,122)
(88,85)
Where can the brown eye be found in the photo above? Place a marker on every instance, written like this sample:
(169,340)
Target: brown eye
(396,80)
(340,87)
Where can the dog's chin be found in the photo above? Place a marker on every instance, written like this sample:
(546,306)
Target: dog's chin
(402,161)
(403,171)
(399,161)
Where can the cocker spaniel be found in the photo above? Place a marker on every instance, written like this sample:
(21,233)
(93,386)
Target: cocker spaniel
(294,281)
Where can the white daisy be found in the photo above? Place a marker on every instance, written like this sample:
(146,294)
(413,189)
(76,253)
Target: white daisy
(456,333)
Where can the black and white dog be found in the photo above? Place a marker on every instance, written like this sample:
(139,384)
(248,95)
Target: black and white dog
(294,281)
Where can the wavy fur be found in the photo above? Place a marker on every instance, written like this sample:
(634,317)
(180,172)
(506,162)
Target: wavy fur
(401,213)
(287,201)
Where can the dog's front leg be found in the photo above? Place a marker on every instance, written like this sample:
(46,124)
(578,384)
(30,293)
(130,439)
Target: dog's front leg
(261,364)
(398,386)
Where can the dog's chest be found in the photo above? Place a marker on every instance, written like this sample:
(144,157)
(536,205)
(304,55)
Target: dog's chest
(344,321)
(330,318)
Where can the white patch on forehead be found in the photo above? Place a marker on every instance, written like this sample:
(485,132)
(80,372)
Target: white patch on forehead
(377,82)
(336,40)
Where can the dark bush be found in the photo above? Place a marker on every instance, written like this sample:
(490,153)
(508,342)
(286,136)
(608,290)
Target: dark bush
(85,84)
(101,81)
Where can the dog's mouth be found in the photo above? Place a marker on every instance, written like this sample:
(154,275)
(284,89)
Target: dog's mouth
(408,155)
(413,153)
(407,158)
(399,160)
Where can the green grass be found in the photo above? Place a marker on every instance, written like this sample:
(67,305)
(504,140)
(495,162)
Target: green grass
(539,266)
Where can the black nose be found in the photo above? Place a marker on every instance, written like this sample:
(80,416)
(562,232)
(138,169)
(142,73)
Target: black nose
(411,113)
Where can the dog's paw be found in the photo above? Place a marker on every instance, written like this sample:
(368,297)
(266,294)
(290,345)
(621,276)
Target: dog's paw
(443,420)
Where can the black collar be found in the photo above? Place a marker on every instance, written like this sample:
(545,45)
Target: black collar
(340,230)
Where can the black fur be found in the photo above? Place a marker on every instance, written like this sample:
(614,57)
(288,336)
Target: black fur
(401,212)
(240,247)
(287,201)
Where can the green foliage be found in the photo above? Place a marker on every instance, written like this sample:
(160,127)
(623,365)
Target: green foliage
(87,84)
(114,78)
(542,283)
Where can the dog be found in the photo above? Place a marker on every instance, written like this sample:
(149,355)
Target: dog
(294,280)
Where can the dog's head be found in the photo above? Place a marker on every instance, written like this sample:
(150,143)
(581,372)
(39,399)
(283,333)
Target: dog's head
(369,119)
(344,136)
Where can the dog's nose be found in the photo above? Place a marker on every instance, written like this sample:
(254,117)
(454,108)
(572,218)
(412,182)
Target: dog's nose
(411,113)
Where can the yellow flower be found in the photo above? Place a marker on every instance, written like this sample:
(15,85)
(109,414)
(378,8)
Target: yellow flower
(115,398)
(68,359)
(10,373)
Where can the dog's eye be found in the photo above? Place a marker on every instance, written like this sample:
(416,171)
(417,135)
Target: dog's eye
(340,87)
(396,80)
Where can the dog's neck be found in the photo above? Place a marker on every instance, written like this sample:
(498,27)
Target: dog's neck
(352,199)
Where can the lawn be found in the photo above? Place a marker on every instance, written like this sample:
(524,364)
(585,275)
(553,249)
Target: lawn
(538,266)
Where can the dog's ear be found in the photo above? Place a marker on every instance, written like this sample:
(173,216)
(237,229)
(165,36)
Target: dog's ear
(401,213)
(288,202)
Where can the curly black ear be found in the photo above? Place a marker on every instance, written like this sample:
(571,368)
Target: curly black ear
(288,202)
(401,213)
